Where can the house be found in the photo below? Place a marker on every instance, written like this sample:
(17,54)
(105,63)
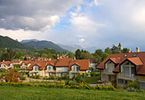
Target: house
(122,68)
(79,67)
(37,68)
(50,69)
(62,66)
(6,65)
(59,67)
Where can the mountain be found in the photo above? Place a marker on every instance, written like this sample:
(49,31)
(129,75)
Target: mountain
(25,41)
(6,42)
(42,44)
(71,48)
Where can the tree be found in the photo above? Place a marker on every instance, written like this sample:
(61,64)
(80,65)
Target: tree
(107,50)
(115,49)
(78,54)
(8,54)
(12,76)
(98,55)
(125,50)
(99,52)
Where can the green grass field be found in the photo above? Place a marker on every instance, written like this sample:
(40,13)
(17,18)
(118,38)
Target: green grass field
(41,93)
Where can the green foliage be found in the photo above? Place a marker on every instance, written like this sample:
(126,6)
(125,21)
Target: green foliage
(104,87)
(78,54)
(125,50)
(133,84)
(6,42)
(7,54)
(82,54)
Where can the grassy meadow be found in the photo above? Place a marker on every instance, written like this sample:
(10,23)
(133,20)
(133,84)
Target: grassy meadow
(42,93)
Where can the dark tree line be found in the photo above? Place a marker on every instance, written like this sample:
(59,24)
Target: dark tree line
(100,54)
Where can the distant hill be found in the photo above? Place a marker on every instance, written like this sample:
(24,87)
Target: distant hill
(6,42)
(71,48)
(42,44)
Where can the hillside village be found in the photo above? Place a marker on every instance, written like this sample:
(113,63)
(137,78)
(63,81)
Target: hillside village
(118,69)
(72,49)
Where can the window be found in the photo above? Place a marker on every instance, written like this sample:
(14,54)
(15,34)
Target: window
(120,81)
(123,82)
(109,67)
(49,67)
(35,68)
(75,68)
(132,70)
(128,69)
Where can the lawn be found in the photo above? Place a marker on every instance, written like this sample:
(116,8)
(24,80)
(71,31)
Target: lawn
(41,93)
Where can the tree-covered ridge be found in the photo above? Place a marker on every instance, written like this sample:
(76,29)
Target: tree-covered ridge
(43,44)
(6,42)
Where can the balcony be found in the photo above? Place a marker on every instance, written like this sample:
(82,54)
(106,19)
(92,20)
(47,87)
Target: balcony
(127,77)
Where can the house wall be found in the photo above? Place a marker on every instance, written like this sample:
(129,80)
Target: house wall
(108,71)
(61,69)
(104,77)
(4,66)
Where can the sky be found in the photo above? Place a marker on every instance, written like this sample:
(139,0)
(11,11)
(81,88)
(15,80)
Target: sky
(88,23)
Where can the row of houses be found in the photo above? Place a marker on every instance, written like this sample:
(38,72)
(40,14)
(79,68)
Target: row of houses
(122,68)
(57,67)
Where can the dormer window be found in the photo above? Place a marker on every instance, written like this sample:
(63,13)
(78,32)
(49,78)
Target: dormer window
(49,67)
(75,68)
(127,69)
(109,67)
(36,68)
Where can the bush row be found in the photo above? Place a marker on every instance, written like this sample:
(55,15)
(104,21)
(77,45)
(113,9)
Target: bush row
(71,84)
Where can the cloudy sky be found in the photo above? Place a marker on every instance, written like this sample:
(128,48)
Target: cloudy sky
(89,23)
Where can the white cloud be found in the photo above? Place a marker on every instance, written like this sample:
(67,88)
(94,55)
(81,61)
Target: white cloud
(21,34)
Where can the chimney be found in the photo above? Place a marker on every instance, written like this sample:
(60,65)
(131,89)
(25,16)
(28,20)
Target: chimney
(137,49)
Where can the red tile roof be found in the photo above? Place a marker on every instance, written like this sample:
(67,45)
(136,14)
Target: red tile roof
(64,62)
(40,64)
(115,60)
(137,58)
(6,62)
(84,64)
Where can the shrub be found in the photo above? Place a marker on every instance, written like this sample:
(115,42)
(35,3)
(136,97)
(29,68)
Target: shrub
(12,76)
(104,87)
(133,86)
(35,77)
